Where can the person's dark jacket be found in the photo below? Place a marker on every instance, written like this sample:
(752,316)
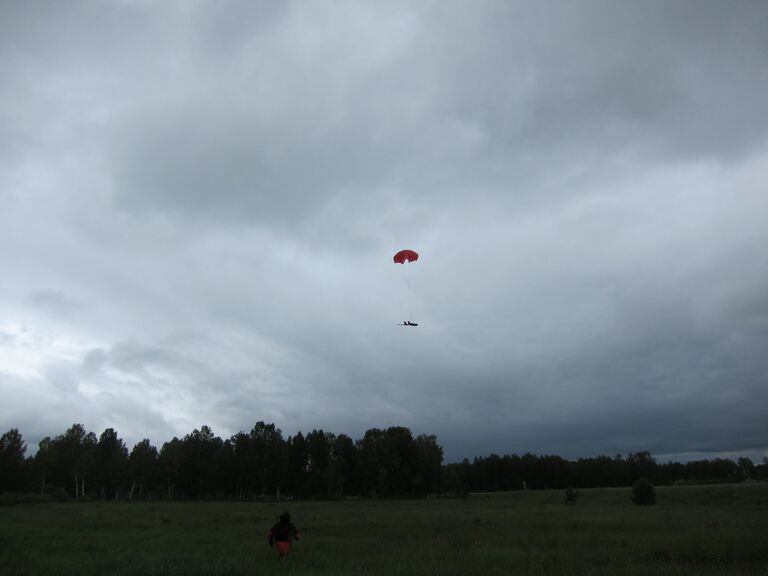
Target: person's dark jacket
(283,531)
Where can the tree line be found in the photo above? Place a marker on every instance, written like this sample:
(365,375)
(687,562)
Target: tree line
(262,463)
(512,472)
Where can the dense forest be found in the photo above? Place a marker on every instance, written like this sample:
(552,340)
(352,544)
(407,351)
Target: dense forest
(263,464)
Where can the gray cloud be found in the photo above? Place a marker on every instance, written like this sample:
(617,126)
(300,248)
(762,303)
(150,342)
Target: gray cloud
(200,204)
(426,115)
(54,302)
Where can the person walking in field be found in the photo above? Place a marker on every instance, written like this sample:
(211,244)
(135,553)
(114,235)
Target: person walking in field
(282,534)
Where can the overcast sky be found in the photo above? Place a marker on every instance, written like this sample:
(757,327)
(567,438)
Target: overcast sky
(200,201)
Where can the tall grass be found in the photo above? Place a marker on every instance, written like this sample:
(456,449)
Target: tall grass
(702,531)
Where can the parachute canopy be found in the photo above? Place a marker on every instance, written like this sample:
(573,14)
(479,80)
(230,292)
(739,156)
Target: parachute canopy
(405,256)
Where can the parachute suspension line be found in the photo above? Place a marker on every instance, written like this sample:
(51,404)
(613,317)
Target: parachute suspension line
(408,284)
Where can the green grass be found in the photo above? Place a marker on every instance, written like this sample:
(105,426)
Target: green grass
(709,530)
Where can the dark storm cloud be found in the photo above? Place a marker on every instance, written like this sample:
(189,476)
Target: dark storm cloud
(459,98)
(200,203)
(662,79)
(664,394)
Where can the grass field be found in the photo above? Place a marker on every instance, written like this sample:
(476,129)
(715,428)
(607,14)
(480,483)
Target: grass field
(692,530)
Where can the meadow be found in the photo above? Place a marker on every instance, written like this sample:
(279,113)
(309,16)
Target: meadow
(704,530)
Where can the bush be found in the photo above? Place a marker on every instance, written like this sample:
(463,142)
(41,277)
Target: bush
(571,495)
(11,498)
(643,493)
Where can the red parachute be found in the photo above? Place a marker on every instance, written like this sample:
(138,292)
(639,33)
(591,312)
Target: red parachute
(405,256)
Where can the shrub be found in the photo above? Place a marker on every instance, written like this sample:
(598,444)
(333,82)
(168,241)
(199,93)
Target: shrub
(571,495)
(11,498)
(643,493)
